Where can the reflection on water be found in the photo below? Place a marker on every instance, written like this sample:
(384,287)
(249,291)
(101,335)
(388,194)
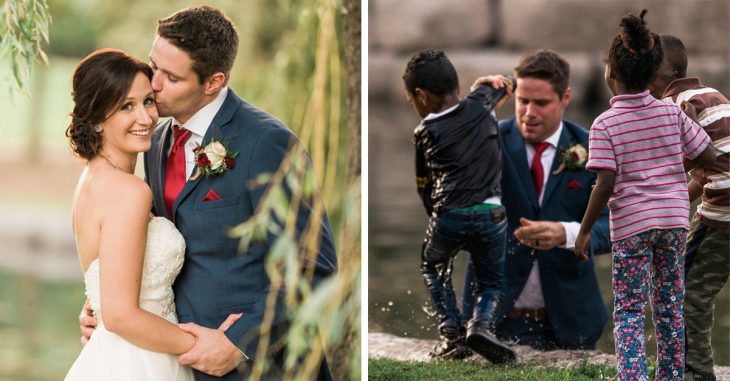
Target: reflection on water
(38,326)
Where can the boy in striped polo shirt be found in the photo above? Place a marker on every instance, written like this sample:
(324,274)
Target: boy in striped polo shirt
(637,148)
(707,263)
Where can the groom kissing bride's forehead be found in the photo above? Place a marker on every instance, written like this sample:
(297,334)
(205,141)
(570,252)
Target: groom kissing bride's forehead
(191,58)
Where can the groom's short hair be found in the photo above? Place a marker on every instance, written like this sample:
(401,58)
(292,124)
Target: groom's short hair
(207,35)
(546,65)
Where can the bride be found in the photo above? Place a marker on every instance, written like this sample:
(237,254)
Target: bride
(130,259)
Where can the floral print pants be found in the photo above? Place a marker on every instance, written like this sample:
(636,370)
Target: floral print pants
(649,261)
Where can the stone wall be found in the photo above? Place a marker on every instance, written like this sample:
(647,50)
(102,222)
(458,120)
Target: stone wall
(489,36)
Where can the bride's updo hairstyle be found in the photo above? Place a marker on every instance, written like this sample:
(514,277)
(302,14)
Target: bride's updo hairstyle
(100,83)
(635,53)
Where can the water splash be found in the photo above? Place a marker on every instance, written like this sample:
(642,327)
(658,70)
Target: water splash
(428,309)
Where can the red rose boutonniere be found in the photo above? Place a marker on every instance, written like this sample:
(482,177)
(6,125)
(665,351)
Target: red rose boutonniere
(213,160)
(573,158)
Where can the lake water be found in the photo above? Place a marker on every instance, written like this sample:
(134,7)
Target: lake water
(39,328)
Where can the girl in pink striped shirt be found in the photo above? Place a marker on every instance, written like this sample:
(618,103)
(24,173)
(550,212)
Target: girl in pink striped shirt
(637,149)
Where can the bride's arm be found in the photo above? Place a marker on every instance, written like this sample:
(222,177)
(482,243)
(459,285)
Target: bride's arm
(123,238)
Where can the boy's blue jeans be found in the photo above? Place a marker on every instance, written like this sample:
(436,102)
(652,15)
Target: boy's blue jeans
(482,233)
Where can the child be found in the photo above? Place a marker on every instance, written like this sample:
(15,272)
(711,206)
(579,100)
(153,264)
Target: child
(636,149)
(458,172)
(706,264)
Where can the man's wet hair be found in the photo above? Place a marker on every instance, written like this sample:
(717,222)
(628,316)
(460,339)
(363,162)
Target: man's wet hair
(546,65)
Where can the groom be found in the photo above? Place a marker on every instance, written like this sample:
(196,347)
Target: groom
(552,299)
(192,57)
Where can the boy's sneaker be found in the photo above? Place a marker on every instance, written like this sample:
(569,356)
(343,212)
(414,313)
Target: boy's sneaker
(450,350)
(451,344)
(481,339)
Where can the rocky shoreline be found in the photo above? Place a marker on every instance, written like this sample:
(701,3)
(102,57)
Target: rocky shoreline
(385,345)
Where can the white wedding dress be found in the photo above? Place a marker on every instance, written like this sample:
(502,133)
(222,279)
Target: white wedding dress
(109,357)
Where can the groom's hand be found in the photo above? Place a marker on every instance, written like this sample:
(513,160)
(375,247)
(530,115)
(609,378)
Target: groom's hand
(87,322)
(540,235)
(213,353)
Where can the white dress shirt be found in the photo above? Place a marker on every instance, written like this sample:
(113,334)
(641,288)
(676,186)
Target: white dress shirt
(531,295)
(198,124)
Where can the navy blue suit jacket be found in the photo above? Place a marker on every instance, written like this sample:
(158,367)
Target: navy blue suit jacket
(572,297)
(216,280)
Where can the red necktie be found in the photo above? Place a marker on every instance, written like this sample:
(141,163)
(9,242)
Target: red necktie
(536,167)
(175,176)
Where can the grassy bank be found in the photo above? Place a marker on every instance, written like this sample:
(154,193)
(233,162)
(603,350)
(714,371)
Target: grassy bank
(384,369)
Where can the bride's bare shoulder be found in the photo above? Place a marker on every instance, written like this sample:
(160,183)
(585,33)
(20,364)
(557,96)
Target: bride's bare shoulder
(128,181)
(115,188)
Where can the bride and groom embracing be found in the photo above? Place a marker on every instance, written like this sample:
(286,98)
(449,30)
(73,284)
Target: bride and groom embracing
(134,259)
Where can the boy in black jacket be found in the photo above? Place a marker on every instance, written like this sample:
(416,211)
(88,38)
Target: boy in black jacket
(458,175)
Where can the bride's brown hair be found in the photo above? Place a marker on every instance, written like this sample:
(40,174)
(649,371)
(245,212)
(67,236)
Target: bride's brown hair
(100,83)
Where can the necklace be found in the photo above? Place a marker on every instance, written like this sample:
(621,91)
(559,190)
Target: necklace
(110,162)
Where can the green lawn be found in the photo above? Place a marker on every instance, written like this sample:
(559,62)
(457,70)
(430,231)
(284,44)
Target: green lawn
(38,327)
(382,369)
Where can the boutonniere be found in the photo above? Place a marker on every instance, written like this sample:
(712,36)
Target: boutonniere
(573,158)
(213,160)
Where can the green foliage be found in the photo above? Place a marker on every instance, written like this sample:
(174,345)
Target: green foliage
(23,29)
(294,70)
(384,369)
(76,27)
(323,320)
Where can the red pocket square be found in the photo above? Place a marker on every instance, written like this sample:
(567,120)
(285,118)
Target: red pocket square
(211,196)
(574,185)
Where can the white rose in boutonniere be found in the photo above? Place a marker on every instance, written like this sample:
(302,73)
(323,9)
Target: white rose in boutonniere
(216,153)
(213,159)
(573,158)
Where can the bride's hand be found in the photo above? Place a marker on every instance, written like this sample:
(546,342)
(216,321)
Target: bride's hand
(87,322)
(232,318)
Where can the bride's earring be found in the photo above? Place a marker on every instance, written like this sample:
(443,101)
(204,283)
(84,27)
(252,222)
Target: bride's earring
(98,128)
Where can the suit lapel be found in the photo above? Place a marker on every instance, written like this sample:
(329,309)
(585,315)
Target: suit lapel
(515,147)
(554,180)
(160,167)
(217,130)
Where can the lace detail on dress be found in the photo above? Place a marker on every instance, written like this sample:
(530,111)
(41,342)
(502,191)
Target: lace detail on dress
(162,263)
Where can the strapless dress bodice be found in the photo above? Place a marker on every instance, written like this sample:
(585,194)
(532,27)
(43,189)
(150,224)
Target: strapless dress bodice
(163,260)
